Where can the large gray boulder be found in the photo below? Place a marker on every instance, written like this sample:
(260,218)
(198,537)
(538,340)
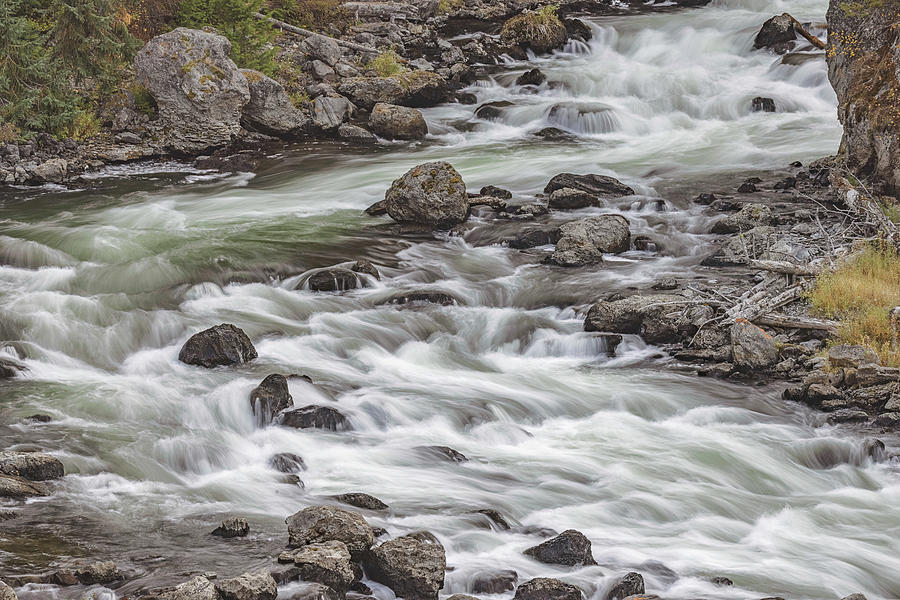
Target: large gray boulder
(327,563)
(329,112)
(317,524)
(584,241)
(257,585)
(538,31)
(366,92)
(631,584)
(430,194)
(658,319)
(412,565)
(397,122)
(751,347)
(221,345)
(34,466)
(199,92)
(320,47)
(270,109)
(571,547)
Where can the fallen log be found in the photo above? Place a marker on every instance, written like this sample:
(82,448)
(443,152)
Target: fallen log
(783,267)
(788,322)
(798,27)
(307,33)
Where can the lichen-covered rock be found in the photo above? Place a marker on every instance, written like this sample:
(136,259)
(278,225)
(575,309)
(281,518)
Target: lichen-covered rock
(863,56)
(584,241)
(34,466)
(397,122)
(327,563)
(571,547)
(270,397)
(6,592)
(199,91)
(221,345)
(632,584)
(412,565)
(751,347)
(430,194)
(844,355)
(539,31)
(270,109)
(317,524)
(777,33)
(257,585)
(545,588)
(323,48)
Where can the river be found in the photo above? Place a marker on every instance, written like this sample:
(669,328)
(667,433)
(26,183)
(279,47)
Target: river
(100,287)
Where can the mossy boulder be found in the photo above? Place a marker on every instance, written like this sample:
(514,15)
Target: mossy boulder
(539,31)
(430,194)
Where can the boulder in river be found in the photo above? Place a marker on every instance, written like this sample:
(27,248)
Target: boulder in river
(34,466)
(316,417)
(631,584)
(777,34)
(599,185)
(584,241)
(232,527)
(361,500)
(411,565)
(317,524)
(19,487)
(761,104)
(199,91)
(256,585)
(397,122)
(333,279)
(221,345)
(430,194)
(414,297)
(752,347)
(270,109)
(198,588)
(443,453)
(539,31)
(327,563)
(532,77)
(545,588)
(287,462)
(491,111)
(366,92)
(662,318)
(270,397)
(496,192)
(354,134)
(571,198)
(571,547)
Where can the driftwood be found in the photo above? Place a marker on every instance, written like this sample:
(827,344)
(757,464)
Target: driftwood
(783,267)
(788,322)
(307,33)
(799,28)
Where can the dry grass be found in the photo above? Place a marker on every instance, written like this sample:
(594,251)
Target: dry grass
(861,293)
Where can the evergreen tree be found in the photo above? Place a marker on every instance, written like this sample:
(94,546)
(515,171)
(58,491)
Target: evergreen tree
(235,20)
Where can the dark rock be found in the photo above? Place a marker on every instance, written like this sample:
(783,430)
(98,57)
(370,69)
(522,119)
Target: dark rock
(888,419)
(496,582)
(355,134)
(631,584)
(747,188)
(554,134)
(104,571)
(286,462)
(776,33)
(643,243)
(496,192)
(333,279)
(418,296)
(787,183)
(661,318)
(34,466)
(39,418)
(397,122)
(532,77)
(361,500)
(760,104)
(491,111)
(270,398)
(318,417)
(233,527)
(531,210)
(430,194)
(257,585)
(365,266)
(317,524)
(570,198)
(412,565)
(377,209)
(284,573)
(874,449)
(443,453)
(705,199)
(848,415)
(570,547)
(494,515)
(221,345)
(534,236)
(721,581)
(544,588)
(599,185)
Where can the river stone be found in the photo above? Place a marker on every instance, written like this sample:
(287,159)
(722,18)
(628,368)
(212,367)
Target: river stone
(631,584)
(315,591)
(851,356)
(17,487)
(355,134)
(221,345)
(443,453)
(199,91)
(232,527)
(776,33)
(545,588)
(535,32)
(430,194)
(532,77)
(598,185)
(317,524)
(491,111)
(198,588)
(751,347)
(366,267)
(53,170)
(104,571)
(422,296)
(571,547)
(495,192)
(534,236)
(658,319)
(750,216)
(286,462)
(571,198)
(366,92)
(412,565)
(854,597)
(6,592)
(333,279)
(320,47)
(270,397)
(256,585)
(397,122)
(316,417)
(329,113)
(583,242)
(496,582)
(423,89)
(270,109)
(34,466)
(762,104)
(327,563)
(361,500)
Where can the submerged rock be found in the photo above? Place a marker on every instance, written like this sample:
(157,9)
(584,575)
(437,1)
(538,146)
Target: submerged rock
(443,453)
(270,397)
(317,524)
(545,588)
(232,527)
(760,104)
(422,296)
(429,194)
(287,463)
(495,582)
(317,417)
(221,345)
(532,77)
(412,565)
(571,547)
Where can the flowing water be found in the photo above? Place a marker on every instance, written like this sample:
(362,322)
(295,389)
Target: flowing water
(100,287)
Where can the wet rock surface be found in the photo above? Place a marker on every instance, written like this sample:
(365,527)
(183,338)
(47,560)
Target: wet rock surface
(222,345)
(412,565)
